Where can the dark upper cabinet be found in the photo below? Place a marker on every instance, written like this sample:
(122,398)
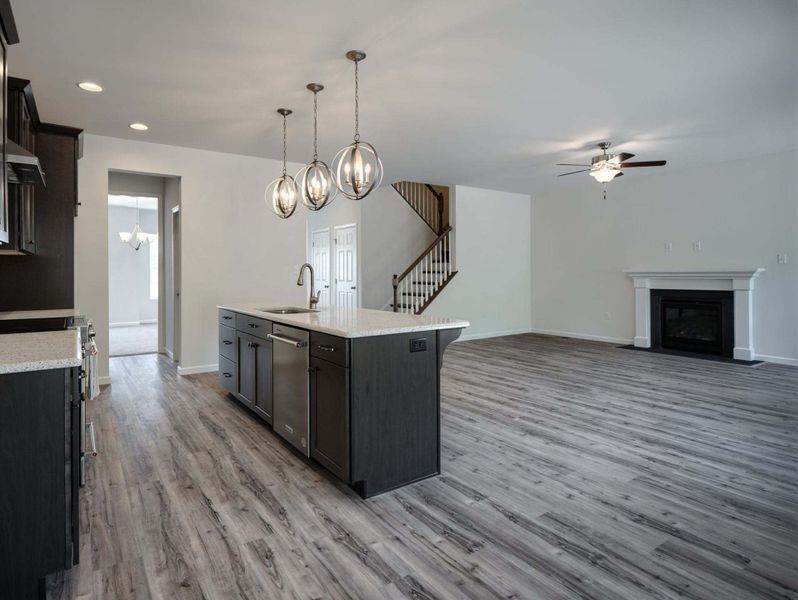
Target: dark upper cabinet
(22,121)
(329,415)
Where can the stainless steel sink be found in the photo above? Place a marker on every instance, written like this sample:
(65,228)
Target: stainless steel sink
(288,310)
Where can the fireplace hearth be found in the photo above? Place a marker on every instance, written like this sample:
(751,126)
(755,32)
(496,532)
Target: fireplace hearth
(700,321)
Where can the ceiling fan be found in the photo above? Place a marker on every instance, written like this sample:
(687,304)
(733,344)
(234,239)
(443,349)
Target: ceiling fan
(605,167)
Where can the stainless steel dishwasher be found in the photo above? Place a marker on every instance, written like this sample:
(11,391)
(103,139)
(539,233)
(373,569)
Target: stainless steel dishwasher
(291,385)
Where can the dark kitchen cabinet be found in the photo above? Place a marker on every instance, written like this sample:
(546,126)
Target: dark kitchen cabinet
(263,379)
(245,359)
(329,416)
(22,121)
(254,360)
(40,463)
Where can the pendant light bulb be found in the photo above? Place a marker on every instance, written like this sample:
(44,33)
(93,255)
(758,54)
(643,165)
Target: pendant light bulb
(315,179)
(357,167)
(282,192)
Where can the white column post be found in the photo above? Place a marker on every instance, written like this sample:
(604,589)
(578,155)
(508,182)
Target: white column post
(642,313)
(743,318)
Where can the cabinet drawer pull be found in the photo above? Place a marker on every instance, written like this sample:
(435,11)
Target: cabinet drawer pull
(253,325)
(325,347)
(227,374)
(227,342)
(227,317)
(252,344)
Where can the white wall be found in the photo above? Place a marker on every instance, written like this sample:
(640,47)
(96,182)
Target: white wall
(493,257)
(129,269)
(743,213)
(234,248)
(392,237)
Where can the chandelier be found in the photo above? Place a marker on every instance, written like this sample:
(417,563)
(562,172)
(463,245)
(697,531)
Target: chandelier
(136,236)
(282,192)
(357,167)
(315,180)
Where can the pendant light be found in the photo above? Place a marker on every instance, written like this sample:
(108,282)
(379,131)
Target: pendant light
(282,192)
(357,167)
(136,237)
(315,180)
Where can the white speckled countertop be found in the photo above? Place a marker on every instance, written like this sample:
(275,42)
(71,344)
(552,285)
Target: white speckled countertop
(39,351)
(350,322)
(13,315)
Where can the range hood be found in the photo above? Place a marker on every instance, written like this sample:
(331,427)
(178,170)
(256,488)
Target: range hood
(22,167)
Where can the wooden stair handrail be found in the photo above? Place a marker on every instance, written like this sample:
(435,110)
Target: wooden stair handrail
(421,256)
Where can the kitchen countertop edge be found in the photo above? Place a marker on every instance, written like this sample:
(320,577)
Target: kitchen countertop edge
(301,321)
(48,352)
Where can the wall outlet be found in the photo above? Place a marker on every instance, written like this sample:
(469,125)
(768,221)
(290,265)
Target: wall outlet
(781,259)
(697,246)
(668,246)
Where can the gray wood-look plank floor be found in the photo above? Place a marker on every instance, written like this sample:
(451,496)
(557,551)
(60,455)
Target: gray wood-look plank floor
(571,469)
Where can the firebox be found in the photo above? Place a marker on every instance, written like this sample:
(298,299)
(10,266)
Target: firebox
(699,321)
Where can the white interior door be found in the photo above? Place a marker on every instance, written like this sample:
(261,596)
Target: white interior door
(346,265)
(321,260)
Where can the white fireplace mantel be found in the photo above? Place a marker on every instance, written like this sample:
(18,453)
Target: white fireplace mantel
(740,281)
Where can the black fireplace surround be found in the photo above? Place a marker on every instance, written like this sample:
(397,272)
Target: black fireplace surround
(699,321)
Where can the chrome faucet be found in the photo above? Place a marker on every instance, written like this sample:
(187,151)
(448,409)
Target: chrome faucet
(314,296)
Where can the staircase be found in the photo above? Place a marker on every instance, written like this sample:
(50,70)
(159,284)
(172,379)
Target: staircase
(425,278)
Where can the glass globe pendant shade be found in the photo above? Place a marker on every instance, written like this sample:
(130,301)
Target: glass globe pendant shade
(605,173)
(358,170)
(316,185)
(282,195)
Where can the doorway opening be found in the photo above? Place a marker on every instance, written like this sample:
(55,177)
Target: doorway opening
(143,275)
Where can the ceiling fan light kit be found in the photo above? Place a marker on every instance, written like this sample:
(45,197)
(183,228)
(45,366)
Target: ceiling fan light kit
(357,168)
(605,167)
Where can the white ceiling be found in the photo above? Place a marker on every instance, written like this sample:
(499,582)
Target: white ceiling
(475,92)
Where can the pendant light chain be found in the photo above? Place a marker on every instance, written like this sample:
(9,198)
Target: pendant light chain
(357,106)
(315,126)
(284,146)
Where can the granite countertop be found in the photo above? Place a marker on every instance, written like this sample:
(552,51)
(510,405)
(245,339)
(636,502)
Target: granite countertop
(14,315)
(350,322)
(39,351)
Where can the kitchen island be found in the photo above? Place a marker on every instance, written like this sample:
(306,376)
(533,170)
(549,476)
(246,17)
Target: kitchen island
(357,390)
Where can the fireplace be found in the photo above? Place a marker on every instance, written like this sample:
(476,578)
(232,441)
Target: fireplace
(693,321)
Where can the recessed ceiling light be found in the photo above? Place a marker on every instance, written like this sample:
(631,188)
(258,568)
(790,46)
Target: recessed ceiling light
(138,126)
(90,86)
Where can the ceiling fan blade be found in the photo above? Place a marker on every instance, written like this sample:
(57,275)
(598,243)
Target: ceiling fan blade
(644,163)
(624,156)
(572,172)
(571,165)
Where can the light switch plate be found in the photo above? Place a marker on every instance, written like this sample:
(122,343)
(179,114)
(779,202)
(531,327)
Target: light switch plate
(781,259)
(668,246)
(697,246)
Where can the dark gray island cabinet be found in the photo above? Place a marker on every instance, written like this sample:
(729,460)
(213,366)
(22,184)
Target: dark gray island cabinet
(371,390)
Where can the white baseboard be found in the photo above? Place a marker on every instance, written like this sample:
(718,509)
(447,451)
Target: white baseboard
(106,380)
(197,369)
(133,323)
(491,334)
(583,336)
(781,360)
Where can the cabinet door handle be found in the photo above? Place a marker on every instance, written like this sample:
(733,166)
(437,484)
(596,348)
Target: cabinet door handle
(325,347)
(227,374)
(227,342)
